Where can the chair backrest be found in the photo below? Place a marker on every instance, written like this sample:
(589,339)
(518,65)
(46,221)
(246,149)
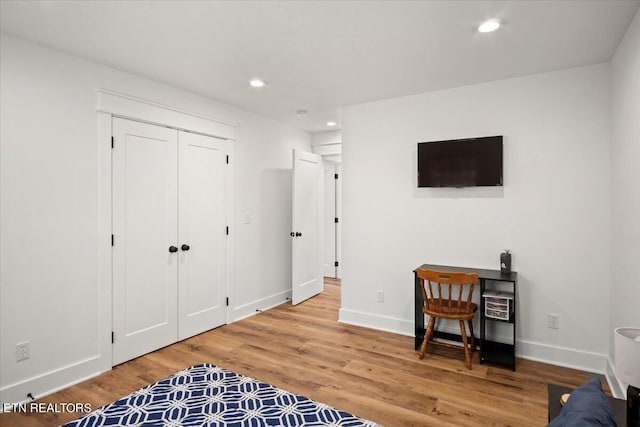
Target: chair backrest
(438,290)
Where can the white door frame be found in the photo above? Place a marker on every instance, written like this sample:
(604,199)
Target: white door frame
(112,104)
(329,257)
(339,224)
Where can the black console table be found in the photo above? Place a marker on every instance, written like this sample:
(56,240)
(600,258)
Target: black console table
(490,351)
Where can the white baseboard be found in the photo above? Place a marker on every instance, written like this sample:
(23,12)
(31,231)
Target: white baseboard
(560,356)
(52,381)
(617,387)
(398,326)
(374,321)
(254,307)
(58,379)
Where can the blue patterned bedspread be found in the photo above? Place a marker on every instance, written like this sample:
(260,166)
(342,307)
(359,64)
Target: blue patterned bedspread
(206,395)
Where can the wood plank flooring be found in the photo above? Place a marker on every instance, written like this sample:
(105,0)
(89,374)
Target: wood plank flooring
(372,374)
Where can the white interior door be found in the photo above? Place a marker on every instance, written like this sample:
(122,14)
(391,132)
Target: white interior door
(307,231)
(330,225)
(145,227)
(202,233)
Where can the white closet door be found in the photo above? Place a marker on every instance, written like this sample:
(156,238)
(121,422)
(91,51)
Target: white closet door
(202,231)
(145,226)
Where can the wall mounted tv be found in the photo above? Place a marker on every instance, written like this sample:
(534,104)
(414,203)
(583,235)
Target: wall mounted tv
(471,162)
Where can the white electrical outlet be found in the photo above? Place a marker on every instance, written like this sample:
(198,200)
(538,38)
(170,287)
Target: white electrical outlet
(22,351)
(380,296)
(553,321)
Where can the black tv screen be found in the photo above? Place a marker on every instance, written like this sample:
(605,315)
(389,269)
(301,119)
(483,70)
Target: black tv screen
(471,162)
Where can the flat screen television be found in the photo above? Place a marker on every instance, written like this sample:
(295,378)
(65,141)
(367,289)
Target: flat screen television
(470,162)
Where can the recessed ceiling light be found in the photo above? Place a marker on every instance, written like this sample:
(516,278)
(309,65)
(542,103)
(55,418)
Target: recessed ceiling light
(490,25)
(331,123)
(257,83)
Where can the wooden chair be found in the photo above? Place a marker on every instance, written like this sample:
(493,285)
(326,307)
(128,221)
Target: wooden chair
(441,302)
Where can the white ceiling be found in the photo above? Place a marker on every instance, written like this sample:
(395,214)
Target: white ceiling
(320,55)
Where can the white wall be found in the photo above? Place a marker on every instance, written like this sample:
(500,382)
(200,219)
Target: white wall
(552,213)
(625,181)
(264,162)
(49,284)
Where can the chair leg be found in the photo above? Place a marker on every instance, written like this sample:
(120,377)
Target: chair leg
(427,336)
(473,337)
(467,353)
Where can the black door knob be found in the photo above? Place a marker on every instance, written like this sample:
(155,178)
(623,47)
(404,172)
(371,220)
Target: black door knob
(185,247)
(298,234)
(173,249)
(292,234)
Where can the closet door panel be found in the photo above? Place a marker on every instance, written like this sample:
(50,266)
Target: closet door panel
(145,272)
(202,228)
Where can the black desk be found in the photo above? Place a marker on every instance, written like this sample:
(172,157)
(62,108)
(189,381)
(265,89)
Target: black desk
(489,351)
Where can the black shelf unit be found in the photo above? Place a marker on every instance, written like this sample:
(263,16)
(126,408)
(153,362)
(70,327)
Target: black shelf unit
(490,351)
(498,353)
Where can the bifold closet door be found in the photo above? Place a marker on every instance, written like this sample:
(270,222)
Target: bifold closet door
(202,234)
(145,228)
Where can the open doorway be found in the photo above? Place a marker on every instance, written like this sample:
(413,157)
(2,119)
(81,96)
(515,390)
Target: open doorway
(328,144)
(332,220)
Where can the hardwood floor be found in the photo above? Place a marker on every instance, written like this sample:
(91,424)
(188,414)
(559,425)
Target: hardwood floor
(372,374)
